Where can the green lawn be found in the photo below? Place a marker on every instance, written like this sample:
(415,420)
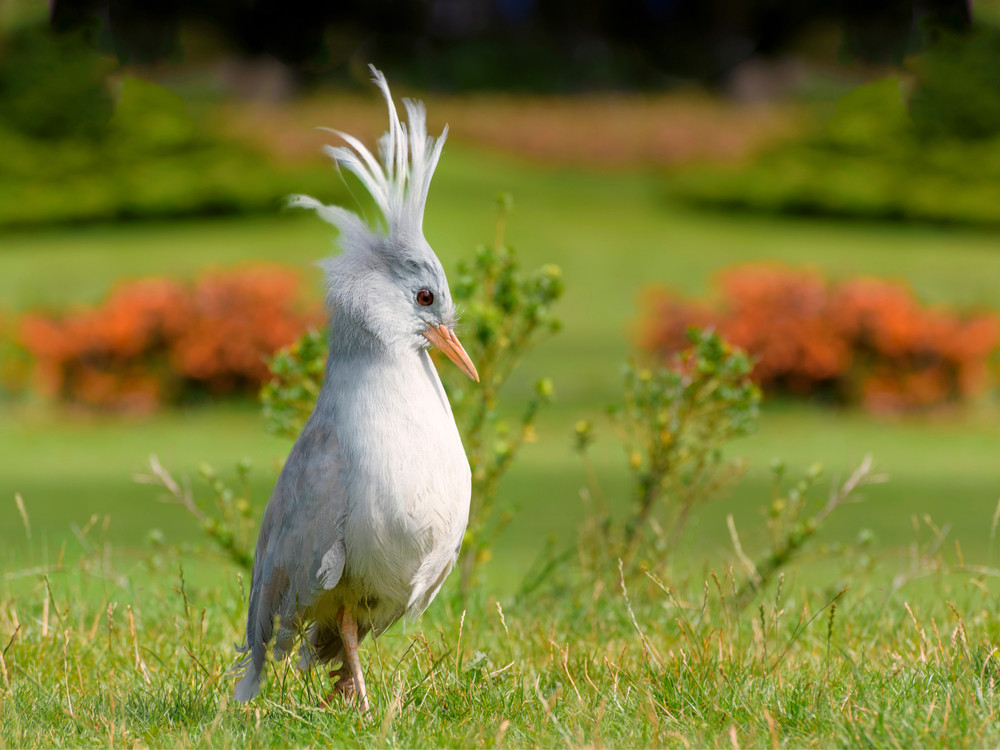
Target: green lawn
(612,234)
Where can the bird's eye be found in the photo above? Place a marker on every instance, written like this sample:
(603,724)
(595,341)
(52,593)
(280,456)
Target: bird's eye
(425,297)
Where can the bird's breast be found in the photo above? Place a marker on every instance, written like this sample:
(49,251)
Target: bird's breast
(408,482)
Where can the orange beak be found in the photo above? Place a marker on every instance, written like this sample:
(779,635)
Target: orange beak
(445,340)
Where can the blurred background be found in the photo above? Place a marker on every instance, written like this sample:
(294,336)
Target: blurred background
(819,181)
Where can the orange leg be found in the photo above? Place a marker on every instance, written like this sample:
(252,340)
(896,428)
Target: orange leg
(349,633)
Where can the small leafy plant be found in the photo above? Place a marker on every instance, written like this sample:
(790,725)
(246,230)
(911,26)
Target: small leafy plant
(673,423)
(287,398)
(227,520)
(794,519)
(506,313)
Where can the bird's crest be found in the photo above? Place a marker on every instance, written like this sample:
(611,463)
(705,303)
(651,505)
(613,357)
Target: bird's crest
(398,180)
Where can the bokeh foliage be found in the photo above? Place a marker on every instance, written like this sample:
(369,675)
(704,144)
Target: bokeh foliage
(80,147)
(872,160)
(958,91)
(157,341)
(52,85)
(860,341)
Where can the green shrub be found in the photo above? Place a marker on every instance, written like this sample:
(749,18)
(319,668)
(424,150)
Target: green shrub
(68,158)
(869,161)
(296,376)
(958,95)
(52,85)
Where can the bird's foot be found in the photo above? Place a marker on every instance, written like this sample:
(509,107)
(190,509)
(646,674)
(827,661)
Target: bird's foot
(343,687)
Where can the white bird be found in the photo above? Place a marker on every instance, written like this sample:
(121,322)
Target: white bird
(367,518)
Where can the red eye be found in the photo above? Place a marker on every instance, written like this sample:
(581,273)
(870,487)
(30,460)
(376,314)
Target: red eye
(425,297)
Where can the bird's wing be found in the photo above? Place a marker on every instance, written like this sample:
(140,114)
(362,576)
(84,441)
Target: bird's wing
(300,549)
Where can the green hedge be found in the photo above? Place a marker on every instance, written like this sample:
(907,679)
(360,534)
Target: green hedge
(871,161)
(73,154)
(152,161)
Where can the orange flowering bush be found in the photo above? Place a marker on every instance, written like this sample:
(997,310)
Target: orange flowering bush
(864,340)
(14,362)
(157,340)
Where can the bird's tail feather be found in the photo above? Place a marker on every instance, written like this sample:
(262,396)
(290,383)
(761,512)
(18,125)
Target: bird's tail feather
(249,686)
(263,619)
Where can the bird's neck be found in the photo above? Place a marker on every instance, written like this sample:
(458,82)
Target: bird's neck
(363,373)
(353,339)
(356,348)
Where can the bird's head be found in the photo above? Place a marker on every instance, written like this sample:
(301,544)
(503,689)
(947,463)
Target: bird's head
(388,282)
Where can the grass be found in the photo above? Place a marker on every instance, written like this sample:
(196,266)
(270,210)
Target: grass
(100,654)
(68,471)
(694,671)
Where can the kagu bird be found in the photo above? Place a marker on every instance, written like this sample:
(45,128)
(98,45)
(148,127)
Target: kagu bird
(367,517)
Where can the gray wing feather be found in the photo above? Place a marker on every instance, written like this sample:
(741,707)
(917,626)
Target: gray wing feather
(300,550)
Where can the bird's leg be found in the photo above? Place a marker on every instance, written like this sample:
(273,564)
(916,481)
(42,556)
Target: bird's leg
(349,634)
